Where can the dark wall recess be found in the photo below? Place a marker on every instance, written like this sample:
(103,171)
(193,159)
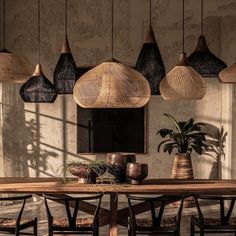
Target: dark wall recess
(111,130)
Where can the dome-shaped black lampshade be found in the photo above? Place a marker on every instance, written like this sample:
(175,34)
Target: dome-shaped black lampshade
(38,88)
(65,74)
(204,61)
(150,63)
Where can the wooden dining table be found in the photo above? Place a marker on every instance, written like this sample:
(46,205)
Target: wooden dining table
(114,216)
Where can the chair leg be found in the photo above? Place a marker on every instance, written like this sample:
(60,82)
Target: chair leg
(201,232)
(35,227)
(192,228)
(96,232)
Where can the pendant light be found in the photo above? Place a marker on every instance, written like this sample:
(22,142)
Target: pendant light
(112,85)
(228,75)
(65,73)
(38,88)
(202,59)
(150,63)
(13,69)
(183,82)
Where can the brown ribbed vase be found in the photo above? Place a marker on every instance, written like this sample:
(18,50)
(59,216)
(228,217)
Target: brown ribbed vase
(182,167)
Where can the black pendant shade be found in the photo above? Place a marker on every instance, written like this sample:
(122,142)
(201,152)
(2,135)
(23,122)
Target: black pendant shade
(204,61)
(150,63)
(65,74)
(38,88)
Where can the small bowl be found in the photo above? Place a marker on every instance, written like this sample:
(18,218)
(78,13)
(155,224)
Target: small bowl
(137,172)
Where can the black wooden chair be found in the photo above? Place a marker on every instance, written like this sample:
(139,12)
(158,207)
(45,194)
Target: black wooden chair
(17,225)
(72,223)
(224,223)
(156,224)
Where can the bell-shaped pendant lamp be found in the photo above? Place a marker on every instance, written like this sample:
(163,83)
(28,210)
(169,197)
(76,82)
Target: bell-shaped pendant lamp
(183,82)
(112,85)
(65,74)
(228,75)
(202,59)
(150,63)
(38,88)
(13,68)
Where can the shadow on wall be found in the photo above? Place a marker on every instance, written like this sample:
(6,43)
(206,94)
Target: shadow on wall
(216,149)
(21,138)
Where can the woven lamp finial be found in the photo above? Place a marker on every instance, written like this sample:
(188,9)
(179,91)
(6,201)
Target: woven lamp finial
(228,75)
(38,70)
(66,46)
(150,37)
(112,85)
(183,82)
(204,61)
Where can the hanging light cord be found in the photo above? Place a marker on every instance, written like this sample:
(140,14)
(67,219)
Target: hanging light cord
(39,32)
(183,26)
(112,30)
(66,17)
(4,24)
(201,17)
(150,12)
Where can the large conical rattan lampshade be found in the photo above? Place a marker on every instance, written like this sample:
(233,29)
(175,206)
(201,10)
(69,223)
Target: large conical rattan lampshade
(65,73)
(228,75)
(112,85)
(183,82)
(202,59)
(38,88)
(150,63)
(13,68)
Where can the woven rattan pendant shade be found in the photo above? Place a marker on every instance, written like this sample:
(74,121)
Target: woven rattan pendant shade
(183,83)
(65,74)
(150,63)
(228,75)
(38,88)
(112,85)
(204,61)
(13,69)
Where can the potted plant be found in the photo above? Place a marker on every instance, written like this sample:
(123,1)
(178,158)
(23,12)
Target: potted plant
(86,171)
(187,136)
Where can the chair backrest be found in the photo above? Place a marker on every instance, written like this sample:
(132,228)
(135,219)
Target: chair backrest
(154,202)
(224,215)
(74,202)
(17,198)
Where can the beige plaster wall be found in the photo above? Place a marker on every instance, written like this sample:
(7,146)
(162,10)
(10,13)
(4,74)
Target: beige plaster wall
(37,139)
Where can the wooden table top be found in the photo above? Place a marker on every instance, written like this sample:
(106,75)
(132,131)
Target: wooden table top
(160,186)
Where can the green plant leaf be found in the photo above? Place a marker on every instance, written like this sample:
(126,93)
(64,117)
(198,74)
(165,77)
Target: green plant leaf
(169,147)
(174,121)
(188,125)
(164,132)
(159,146)
(197,149)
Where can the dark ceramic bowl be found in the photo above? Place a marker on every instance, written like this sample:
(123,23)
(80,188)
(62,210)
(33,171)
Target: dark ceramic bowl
(137,172)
